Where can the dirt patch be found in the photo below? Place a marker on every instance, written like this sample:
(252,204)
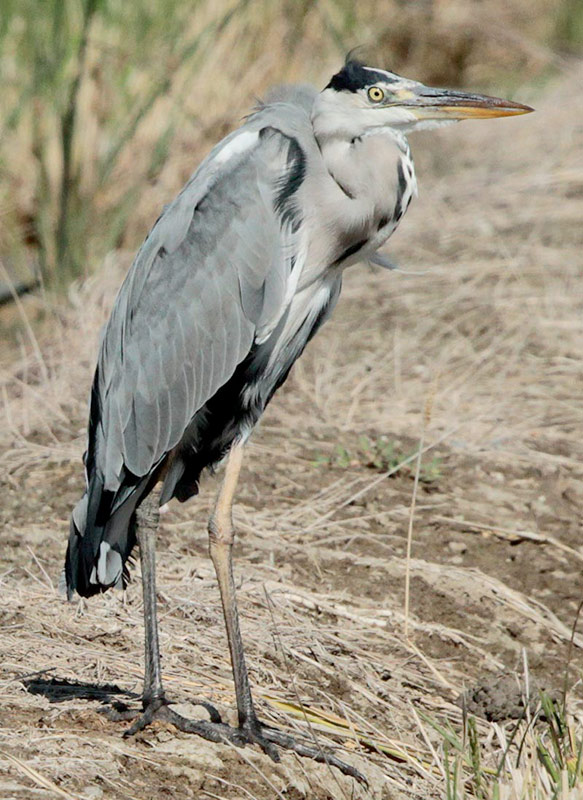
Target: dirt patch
(502,698)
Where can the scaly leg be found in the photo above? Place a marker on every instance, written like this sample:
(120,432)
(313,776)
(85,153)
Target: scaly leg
(221,536)
(154,702)
(148,515)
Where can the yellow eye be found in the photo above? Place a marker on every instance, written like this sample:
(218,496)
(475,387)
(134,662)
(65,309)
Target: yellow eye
(376,94)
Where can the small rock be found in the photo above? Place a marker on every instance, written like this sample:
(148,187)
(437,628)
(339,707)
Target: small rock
(92,792)
(457,547)
(201,754)
(194,776)
(191,711)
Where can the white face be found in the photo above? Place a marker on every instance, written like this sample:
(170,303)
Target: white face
(360,99)
(354,113)
(388,89)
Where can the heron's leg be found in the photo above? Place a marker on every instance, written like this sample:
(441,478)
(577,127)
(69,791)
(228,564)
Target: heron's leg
(147,517)
(154,702)
(221,536)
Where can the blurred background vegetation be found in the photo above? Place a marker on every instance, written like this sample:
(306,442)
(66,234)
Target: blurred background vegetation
(107,106)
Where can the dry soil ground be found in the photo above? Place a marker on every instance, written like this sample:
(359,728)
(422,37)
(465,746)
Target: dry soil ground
(479,360)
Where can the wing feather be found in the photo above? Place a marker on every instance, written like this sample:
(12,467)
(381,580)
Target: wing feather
(214,271)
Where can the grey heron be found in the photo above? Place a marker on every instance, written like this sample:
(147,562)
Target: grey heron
(236,276)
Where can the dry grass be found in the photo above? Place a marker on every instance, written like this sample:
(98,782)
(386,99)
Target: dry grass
(492,334)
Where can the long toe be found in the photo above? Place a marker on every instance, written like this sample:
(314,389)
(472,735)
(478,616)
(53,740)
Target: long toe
(118,712)
(267,737)
(314,752)
(158,708)
(213,731)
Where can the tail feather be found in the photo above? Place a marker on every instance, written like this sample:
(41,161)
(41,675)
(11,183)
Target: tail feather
(100,545)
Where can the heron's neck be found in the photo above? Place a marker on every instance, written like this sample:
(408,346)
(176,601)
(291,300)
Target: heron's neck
(365,166)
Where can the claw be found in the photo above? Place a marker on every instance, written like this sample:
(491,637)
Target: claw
(255,734)
(155,708)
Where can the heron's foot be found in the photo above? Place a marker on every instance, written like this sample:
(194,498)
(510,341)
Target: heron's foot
(266,737)
(158,708)
(252,731)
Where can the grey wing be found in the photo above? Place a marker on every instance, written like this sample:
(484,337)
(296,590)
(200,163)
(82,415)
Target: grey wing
(211,276)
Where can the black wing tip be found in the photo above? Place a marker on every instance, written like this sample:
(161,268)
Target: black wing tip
(87,530)
(74,578)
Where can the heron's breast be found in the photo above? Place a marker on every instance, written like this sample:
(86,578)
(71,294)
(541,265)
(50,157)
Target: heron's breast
(357,202)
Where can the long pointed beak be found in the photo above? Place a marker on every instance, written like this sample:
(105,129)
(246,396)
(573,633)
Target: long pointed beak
(429,103)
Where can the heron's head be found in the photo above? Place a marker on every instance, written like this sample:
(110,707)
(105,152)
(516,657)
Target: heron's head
(359,99)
